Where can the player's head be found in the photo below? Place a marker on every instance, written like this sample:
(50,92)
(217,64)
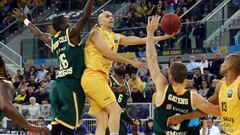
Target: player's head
(178,72)
(3,71)
(231,64)
(105,19)
(61,23)
(119,68)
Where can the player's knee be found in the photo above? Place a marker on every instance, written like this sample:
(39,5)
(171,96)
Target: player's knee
(115,109)
(102,123)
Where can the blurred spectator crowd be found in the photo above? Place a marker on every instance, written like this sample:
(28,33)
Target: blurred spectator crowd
(136,15)
(27,6)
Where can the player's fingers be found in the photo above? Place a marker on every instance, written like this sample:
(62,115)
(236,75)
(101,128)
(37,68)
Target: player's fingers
(158,18)
(14,12)
(18,11)
(167,122)
(149,20)
(14,15)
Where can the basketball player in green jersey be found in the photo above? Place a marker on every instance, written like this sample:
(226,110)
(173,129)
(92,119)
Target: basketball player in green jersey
(171,97)
(7,109)
(122,92)
(66,95)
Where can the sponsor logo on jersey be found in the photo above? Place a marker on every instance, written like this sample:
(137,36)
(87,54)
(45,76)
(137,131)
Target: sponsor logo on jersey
(169,106)
(115,39)
(230,92)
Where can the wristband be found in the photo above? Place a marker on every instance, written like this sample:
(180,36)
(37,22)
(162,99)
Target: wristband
(26,22)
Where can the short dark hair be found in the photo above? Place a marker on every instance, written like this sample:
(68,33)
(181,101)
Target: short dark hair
(57,22)
(179,72)
(235,60)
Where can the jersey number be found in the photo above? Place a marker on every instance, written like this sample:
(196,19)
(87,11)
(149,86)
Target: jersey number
(63,61)
(120,98)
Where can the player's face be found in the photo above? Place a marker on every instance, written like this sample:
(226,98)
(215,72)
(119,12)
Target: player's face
(224,67)
(119,68)
(107,20)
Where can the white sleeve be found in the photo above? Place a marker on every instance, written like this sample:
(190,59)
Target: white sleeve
(200,131)
(217,131)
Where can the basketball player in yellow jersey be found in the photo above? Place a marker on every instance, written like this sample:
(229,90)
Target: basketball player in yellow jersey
(227,96)
(100,52)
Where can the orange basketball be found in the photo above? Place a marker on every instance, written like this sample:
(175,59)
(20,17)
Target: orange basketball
(170,23)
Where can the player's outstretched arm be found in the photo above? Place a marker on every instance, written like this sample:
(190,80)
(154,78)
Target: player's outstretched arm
(133,40)
(204,105)
(74,33)
(177,119)
(45,37)
(157,77)
(6,92)
(98,40)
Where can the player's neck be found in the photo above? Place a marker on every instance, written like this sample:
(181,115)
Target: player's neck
(118,77)
(230,78)
(106,29)
(178,88)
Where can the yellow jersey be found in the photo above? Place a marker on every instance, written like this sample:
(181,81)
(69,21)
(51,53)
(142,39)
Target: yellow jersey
(229,103)
(94,59)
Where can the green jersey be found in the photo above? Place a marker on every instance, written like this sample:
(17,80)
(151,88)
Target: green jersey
(122,96)
(173,104)
(70,57)
(1,115)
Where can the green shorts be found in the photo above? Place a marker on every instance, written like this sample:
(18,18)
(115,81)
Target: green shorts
(67,102)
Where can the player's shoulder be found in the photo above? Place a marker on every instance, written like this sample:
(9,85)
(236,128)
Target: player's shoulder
(6,84)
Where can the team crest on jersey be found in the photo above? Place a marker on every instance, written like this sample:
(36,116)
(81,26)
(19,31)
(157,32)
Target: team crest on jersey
(230,92)
(169,106)
(115,39)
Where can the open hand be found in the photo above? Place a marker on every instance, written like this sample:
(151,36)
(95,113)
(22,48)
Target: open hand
(19,15)
(153,23)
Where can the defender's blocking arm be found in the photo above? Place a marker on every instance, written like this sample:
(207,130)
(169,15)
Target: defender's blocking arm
(45,37)
(74,33)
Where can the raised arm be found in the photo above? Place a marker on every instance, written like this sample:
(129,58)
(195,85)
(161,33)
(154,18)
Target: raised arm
(45,37)
(74,33)
(157,77)
(6,92)
(133,40)
(98,40)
